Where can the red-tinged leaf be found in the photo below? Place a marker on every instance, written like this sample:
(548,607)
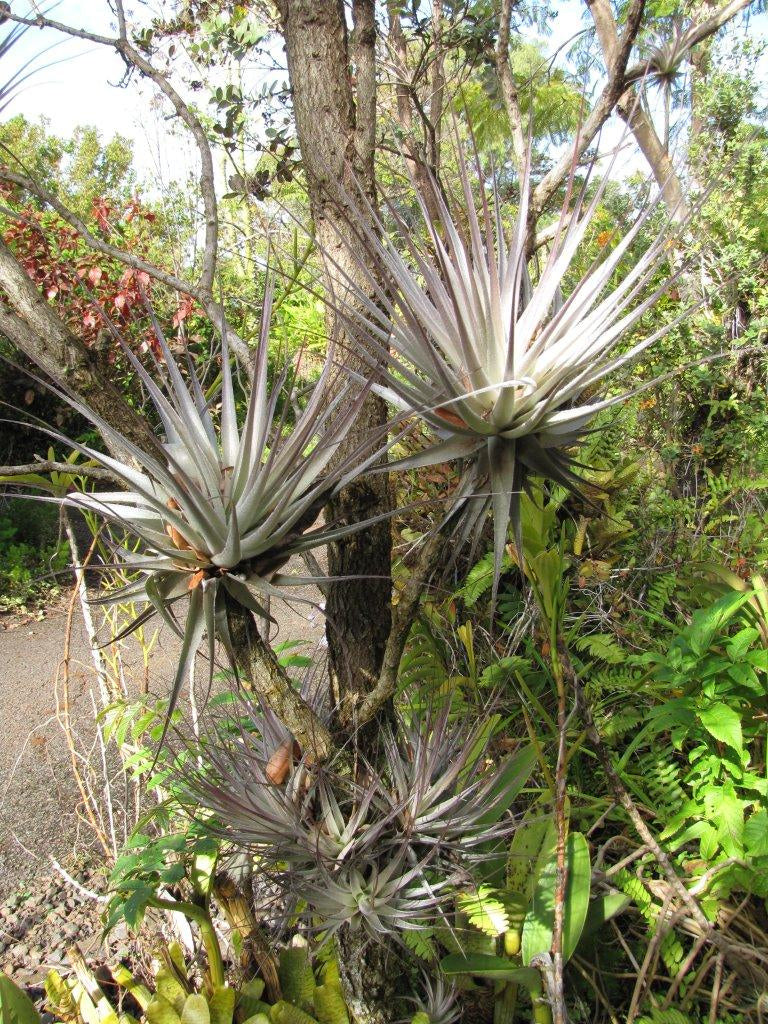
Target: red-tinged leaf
(120,301)
(95,275)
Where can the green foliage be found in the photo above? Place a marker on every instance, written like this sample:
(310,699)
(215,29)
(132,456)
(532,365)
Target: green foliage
(15,1005)
(537,929)
(31,554)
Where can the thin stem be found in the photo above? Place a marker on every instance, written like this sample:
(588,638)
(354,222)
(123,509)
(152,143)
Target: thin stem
(561,877)
(403,615)
(202,919)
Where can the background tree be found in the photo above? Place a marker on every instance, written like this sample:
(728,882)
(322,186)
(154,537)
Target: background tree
(416,61)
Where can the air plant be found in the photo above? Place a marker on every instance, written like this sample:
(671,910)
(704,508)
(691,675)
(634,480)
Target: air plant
(216,520)
(440,1002)
(378,850)
(664,54)
(501,368)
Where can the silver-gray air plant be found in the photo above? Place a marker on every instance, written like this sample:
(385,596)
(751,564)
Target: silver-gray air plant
(504,371)
(218,518)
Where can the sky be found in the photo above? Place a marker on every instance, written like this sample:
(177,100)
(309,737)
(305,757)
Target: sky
(81,84)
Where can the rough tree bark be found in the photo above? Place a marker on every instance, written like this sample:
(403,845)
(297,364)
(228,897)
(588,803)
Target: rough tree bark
(336,130)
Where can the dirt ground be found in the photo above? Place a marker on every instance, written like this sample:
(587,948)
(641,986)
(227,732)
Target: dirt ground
(39,798)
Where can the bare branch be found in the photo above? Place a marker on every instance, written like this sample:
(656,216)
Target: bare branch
(598,116)
(51,466)
(636,117)
(631,111)
(405,94)
(507,82)
(120,12)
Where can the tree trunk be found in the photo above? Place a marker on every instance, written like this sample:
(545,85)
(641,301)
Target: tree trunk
(336,133)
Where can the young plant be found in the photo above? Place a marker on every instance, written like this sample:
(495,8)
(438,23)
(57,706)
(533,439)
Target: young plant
(377,850)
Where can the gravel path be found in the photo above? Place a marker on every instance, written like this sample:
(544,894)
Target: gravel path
(39,819)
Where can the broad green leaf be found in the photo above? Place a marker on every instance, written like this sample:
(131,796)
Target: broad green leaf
(499,671)
(222,1005)
(126,981)
(160,1011)
(726,811)
(31,479)
(15,1005)
(722,722)
(195,1010)
(539,922)
(483,965)
(169,987)
(756,835)
(708,622)
(511,779)
(739,644)
(203,866)
(601,909)
(532,843)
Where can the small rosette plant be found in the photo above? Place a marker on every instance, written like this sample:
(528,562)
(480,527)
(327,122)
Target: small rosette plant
(379,850)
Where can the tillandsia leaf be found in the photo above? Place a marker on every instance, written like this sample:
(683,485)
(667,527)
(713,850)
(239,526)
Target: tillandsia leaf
(373,850)
(501,368)
(217,518)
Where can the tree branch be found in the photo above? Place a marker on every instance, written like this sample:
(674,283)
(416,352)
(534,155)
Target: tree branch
(257,663)
(598,116)
(696,34)
(403,615)
(30,324)
(363,52)
(636,118)
(507,82)
(51,466)
(405,93)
